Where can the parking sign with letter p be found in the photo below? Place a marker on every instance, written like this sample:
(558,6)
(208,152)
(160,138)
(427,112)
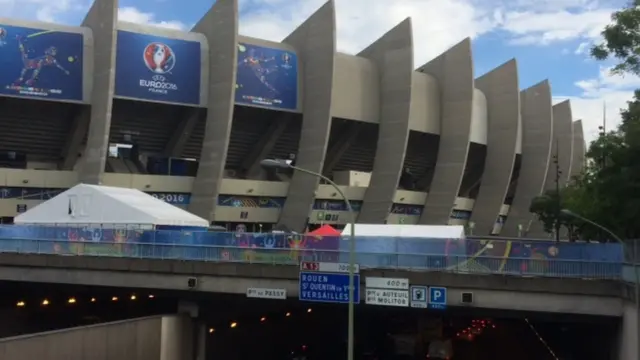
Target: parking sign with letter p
(437,297)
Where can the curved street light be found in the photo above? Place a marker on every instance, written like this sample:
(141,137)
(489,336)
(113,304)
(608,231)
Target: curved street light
(283,164)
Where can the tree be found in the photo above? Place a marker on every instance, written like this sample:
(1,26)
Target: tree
(547,208)
(622,40)
(608,191)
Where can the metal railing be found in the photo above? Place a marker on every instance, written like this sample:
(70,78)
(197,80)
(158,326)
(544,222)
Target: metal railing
(455,263)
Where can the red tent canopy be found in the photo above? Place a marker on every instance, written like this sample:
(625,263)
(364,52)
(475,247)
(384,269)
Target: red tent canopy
(325,230)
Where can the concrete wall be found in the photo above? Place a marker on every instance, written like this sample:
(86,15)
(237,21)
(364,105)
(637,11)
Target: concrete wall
(101,19)
(537,135)
(151,338)
(454,72)
(500,87)
(425,104)
(393,55)
(220,26)
(534,294)
(563,139)
(356,89)
(315,41)
(578,149)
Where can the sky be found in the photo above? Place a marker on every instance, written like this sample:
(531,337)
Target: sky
(549,38)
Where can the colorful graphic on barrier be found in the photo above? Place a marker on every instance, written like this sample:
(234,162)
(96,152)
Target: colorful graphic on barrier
(155,68)
(39,63)
(531,257)
(267,77)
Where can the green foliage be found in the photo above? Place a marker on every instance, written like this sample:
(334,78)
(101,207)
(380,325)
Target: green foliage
(608,191)
(622,40)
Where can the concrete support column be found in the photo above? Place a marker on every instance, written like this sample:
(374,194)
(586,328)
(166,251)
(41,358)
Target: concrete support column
(220,26)
(102,20)
(176,338)
(629,337)
(315,42)
(201,343)
(393,56)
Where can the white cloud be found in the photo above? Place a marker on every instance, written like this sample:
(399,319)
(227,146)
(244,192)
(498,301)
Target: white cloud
(437,24)
(41,10)
(609,89)
(583,48)
(543,28)
(133,15)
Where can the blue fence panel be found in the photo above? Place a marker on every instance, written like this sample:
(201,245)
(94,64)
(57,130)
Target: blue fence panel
(514,257)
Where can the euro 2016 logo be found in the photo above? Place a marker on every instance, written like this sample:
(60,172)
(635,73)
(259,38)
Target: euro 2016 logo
(160,59)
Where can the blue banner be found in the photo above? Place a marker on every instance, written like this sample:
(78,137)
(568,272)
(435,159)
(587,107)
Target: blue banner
(267,77)
(154,68)
(39,63)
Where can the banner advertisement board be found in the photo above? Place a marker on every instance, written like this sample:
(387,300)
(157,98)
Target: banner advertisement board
(40,63)
(155,68)
(267,77)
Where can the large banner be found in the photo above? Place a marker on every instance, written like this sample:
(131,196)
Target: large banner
(39,63)
(154,68)
(267,77)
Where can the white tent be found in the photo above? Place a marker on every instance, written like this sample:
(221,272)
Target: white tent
(106,205)
(407,231)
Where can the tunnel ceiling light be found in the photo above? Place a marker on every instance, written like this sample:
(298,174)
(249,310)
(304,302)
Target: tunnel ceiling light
(21,304)
(263,319)
(287,314)
(234,324)
(133,297)
(115,298)
(309,310)
(151,296)
(71,301)
(211,330)
(45,302)
(93,299)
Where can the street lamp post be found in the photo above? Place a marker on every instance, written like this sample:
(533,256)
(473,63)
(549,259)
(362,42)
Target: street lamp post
(556,162)
(625,249)
(282,164)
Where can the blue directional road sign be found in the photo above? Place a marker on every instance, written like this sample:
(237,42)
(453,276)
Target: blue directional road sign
(437,298)
(328,287)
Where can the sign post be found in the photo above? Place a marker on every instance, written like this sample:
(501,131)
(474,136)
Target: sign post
(263,293)
(387,291)
(328,282)
(419,297)
(437,298)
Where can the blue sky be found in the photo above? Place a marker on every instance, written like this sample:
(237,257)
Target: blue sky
(549,38)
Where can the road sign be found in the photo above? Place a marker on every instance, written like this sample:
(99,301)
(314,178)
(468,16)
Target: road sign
(387,283)
(328,287)
(419,297)
(387,297)
(328,267)
(263,293)
(437,298)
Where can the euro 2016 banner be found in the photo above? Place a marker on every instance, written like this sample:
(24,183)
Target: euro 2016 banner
(267,77)
(154,68)
(41,63)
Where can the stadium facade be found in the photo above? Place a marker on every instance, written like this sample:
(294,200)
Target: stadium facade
(187,116)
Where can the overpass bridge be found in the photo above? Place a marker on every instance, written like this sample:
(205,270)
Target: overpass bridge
(566,287)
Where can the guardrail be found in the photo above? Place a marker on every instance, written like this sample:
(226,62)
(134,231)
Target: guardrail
(455,263)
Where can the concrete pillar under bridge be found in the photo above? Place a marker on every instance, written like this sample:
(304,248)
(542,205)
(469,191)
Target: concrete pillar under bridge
(193,333)
(627,346)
